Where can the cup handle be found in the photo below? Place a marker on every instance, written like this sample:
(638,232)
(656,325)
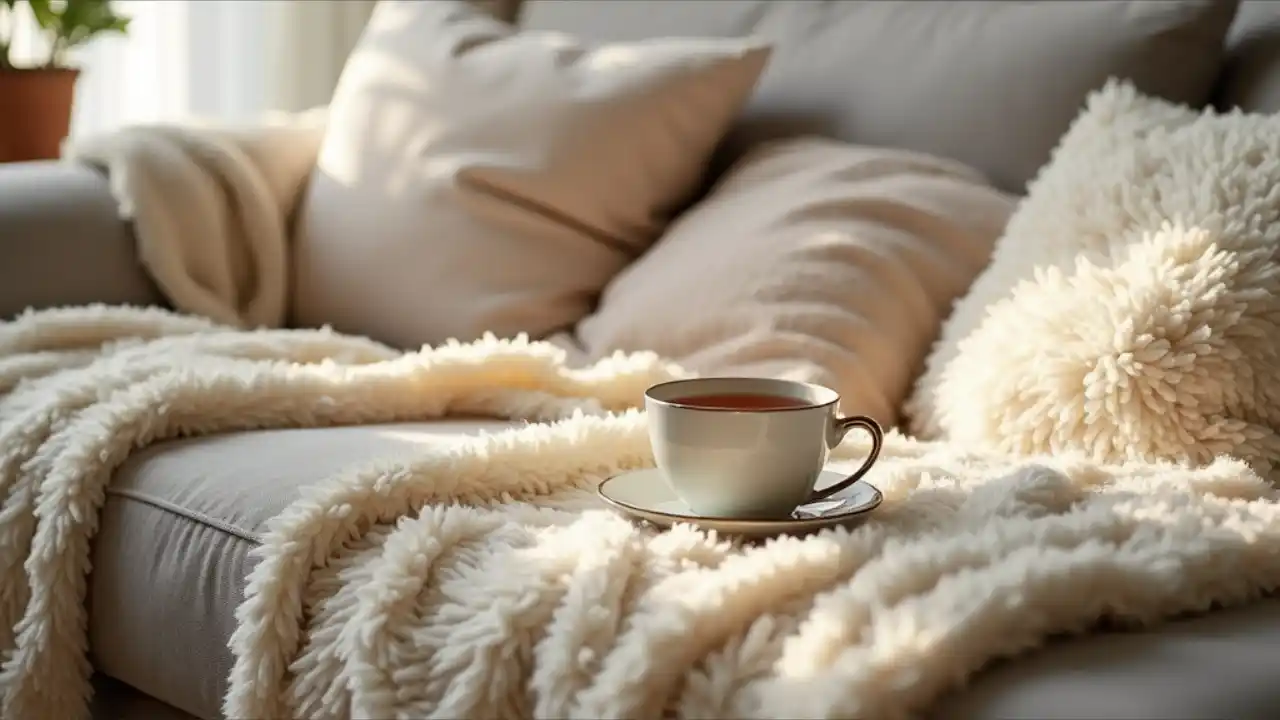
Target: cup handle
(843,426)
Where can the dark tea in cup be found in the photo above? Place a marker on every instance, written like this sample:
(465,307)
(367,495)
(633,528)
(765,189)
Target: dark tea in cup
(740,402)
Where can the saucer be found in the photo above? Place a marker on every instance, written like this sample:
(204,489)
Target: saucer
(645,495)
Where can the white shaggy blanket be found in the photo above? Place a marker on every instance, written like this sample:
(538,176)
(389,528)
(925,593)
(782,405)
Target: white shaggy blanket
(485,580)
(210,205)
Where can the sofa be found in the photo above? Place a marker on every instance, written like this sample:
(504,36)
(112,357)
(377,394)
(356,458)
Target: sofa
(172,552)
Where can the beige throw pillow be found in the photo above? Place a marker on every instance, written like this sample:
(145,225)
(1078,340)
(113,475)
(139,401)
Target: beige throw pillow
(478,179)
(1132,308)
(812,260)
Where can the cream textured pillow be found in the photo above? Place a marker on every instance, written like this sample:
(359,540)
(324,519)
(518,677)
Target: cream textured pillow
(812,260)
(1131,308)
(478,179)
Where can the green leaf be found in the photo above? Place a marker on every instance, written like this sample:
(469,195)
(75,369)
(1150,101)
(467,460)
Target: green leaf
(84,19)
(73,22)
(44,14)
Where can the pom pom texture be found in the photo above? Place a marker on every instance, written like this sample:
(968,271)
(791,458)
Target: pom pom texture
(1131,308)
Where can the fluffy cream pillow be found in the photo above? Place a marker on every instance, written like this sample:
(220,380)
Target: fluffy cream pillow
(811,260)
(1131,308)
(476,179)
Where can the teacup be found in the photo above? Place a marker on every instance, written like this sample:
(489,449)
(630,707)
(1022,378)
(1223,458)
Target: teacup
(750,448)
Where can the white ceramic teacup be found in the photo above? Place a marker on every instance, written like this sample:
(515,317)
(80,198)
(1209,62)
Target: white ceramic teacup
(749,447)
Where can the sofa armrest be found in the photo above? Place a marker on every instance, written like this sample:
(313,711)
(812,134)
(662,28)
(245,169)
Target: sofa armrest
(62,241)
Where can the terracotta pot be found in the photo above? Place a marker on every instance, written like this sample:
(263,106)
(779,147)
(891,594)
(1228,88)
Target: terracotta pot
(37,116)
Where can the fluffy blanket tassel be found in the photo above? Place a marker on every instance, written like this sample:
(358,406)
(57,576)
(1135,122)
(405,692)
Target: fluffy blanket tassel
(485,580)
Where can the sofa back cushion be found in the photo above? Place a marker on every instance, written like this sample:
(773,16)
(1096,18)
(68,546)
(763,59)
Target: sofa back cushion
(1251,76)
(992,84)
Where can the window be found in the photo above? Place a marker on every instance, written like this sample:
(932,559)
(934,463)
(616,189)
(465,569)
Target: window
(216,59)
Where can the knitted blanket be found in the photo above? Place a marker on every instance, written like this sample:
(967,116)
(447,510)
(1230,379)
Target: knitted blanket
(485,580)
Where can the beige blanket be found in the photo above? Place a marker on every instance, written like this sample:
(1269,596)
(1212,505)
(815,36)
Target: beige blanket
(484,580)
(211,207)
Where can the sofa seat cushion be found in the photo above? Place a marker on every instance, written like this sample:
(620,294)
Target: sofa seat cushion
(181,518)
(1220,665)
(172,552)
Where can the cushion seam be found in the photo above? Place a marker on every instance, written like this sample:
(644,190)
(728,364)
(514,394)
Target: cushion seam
(187,513)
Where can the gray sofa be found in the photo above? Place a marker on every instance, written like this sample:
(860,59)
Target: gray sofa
(171,556)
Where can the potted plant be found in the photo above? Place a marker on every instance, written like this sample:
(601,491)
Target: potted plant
(38,97)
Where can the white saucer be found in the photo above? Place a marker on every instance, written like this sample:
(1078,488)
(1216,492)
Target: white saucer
(645,495)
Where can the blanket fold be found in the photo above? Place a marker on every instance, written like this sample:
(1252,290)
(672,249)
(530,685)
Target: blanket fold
(484,578)
(211,206)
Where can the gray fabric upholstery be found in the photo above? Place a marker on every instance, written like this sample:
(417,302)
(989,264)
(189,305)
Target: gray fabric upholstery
(62,241)
(507,10)
(990,83)
(1251,78)
(1220,665)
(114,700)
